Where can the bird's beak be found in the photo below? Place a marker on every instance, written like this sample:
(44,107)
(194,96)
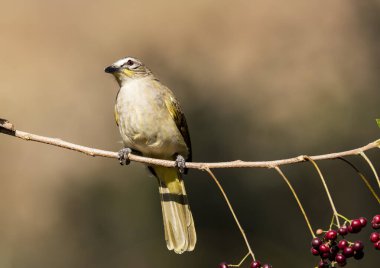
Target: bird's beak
(111,69)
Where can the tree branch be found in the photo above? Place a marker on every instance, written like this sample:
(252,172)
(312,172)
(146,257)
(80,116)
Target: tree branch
(7,128)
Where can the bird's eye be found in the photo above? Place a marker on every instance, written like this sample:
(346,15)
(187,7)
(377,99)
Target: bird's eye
(129,62)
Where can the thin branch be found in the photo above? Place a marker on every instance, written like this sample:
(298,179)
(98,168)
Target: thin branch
(297,199)
(327,191)
(8,129)
(241,261)
(232,211)
(332,221)
(372,167)
(344,218)
(364,179)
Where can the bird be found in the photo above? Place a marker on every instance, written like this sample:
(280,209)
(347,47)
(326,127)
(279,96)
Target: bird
(152,124)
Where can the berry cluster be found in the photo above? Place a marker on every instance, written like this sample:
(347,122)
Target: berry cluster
(332,248)
(357,225)
(334,251)
(376,222)
(375,236)
(254,264)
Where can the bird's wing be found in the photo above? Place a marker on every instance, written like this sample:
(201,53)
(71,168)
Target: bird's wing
(179,118)
(116,116)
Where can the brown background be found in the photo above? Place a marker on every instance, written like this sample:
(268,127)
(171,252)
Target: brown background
(258,80)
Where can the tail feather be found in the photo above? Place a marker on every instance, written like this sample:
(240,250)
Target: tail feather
(179,226)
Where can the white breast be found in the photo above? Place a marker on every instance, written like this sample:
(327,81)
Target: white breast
(144,121)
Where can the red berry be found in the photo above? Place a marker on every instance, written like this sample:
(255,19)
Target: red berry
(267,266)
(313,251)
(323,264)
(255,264)
(377,245)
(356,225)
(374,237)
(376,219)
(332,257)
(341,264)
(343,230)
(316,242)
(324,248)
(343,244)
(325,255)
(340,259)
(223,265)
(376,222)
(359,255)
(331,235)
(334,249)
(353,230)
(363,221)
(348,252)
(358,246)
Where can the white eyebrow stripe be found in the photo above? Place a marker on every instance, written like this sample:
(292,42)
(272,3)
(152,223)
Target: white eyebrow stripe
(120,62)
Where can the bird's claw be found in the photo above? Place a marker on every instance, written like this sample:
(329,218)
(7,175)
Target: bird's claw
(180,163)
(124,156)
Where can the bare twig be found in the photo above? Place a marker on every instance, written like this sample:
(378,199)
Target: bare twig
(327,191)
(297,199)
(241,261)
(372,167)
(232,212)
(364,179)
(8,128)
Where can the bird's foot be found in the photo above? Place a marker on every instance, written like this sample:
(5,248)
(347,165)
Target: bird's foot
(124,156)
(180,163)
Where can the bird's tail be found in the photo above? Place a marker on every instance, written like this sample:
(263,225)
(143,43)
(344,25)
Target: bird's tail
(179,226)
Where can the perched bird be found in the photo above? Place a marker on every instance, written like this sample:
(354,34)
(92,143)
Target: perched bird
(151,123)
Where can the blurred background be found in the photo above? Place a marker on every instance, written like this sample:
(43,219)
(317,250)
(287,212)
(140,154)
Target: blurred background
(258,80)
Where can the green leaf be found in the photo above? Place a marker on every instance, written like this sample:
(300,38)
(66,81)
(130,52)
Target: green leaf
(378,122)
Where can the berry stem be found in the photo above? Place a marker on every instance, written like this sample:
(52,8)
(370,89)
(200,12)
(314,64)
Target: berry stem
(363,178)
(332,222)
(372,167)
(241,262)
(326,188)
(232,211)
(297,199)
(344,218)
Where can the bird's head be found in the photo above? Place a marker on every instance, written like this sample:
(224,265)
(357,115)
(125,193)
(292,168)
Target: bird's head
(126,69)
